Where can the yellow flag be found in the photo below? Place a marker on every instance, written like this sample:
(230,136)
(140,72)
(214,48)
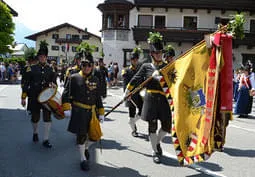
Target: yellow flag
(187,79)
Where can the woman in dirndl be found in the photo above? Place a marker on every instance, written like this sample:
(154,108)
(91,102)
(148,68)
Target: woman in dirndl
(244,100)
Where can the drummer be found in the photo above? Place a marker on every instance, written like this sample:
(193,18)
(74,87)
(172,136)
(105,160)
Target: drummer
(73,69)
(38,77)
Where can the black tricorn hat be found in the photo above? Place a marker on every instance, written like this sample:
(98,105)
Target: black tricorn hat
(87,59)
(156,46)
(155,41)
(101,59)
(169,51)
(43,50)
(134,55)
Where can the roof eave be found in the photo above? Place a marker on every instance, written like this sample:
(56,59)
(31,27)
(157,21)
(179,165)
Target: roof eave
(34,36)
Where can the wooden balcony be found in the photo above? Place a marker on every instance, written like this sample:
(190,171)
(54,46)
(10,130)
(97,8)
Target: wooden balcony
(180,35)
(72,40)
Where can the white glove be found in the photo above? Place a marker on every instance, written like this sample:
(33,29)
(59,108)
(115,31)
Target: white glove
(67,113)
(126,93)
(101,118)
(156,75)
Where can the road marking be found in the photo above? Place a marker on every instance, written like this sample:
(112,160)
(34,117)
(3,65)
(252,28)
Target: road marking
(112,94)
(246,129)
(196,167)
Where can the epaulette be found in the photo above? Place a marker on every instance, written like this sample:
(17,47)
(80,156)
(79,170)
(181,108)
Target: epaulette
(74,67)
(123,71)
(28,69)
(132,67)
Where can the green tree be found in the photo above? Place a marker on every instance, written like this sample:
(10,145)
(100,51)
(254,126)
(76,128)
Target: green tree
(6,28)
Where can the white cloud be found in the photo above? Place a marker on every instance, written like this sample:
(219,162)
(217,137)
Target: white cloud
(39,15)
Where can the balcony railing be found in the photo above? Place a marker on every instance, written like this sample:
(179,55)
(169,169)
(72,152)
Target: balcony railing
(65,40)
(180,34)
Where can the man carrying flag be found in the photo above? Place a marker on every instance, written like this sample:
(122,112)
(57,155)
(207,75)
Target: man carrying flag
(156,106)
(201,86)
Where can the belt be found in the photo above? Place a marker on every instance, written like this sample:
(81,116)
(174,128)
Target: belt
(82,105)
(86,106)
(156,91)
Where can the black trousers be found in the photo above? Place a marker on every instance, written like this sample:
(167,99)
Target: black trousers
(80,139)
(35,115)
(165,125)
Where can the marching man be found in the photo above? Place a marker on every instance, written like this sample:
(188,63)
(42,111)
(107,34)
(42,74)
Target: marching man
(156,106)
(81,101)
(136,101)
(38,77)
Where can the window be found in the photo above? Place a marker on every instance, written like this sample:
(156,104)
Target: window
(110,21)
(85,37)
(68,36)
(73,49)
(252,26)
(217,20)
(75,36)
(54,47)
(160,21)
(190,22)
(55,36)
(121,21)
(63,48)
(145,21)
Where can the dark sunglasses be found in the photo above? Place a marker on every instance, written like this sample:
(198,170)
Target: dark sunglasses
(87,64)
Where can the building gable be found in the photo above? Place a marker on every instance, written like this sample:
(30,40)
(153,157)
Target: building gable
(56,28)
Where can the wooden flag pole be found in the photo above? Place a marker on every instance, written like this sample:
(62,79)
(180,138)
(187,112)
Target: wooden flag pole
(137,89)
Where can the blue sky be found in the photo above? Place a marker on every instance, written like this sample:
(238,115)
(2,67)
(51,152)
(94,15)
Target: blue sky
(36,15)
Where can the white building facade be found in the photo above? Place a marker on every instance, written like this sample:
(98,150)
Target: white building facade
(127,23)
(63,41)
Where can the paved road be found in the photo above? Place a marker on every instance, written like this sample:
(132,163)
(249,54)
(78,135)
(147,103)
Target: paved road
(121,154)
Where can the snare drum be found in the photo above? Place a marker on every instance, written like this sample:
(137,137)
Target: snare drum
(50,98)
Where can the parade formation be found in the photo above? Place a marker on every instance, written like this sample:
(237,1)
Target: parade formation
(182,96)
(166,89)
(85,86)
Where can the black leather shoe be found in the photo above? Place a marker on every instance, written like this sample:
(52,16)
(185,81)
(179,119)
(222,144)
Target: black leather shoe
(134,134)
(160,152)
(35,137)
(156,158)
(245,116)
(47,144)
(87,154)
(84,165)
